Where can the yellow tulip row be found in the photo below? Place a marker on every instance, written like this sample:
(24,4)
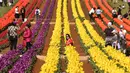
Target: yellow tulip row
(66,22)
(102,61)
(115,54)
(85,37)
(96,57)
(99,61)
(119,57)
(79,8)
(89,27)
(94,34)
(74,64)
(52,58)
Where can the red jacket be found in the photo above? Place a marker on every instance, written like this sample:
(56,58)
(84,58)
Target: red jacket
(69,42)
(27,36)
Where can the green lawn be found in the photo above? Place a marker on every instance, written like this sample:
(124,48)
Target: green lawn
(117,5)
(4,10)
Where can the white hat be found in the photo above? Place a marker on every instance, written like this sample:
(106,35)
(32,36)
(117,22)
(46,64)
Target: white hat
(109,24)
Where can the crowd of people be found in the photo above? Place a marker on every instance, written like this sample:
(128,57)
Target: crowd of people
(116,1)
(14,28)
(114,38)
(118,13)
(6,3)
(13,35)
(93,13)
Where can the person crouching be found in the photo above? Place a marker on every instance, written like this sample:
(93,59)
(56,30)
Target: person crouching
(69,40)
(27,36)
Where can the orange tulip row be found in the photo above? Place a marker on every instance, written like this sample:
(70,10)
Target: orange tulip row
(99,22)
(8,17)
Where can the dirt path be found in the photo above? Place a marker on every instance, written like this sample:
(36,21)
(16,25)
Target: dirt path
(40,62)
(84,8)
(86,65)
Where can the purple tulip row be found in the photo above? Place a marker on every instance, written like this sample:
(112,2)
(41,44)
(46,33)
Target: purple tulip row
(7,58)
(41,19)
(24,63)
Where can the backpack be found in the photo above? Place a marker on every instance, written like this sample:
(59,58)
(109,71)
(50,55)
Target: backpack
(37,12)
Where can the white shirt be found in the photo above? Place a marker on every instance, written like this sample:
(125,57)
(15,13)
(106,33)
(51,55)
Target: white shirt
(16,10)
(123,6)
(110,23)
(114,11)
(122,33)
(1,0)
(98,11)
(119,17)
(91,11)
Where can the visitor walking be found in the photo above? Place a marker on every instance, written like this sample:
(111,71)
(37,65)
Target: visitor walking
(23,13)
(17,13)
(37,13)
(10,2)
(91,12)
(115,40)
(12,35)
(122,34)
(114,13)
(119,10)
(98,12)
(1,3)
(5,2)
(108,33)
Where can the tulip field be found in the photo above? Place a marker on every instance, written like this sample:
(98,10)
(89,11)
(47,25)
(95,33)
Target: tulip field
(49,52)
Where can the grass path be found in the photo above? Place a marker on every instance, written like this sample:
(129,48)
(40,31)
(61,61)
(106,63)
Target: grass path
(4,9)
(117,5)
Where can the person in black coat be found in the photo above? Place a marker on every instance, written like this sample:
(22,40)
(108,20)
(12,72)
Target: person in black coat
(23,13)
(1,3)
(5,2)
(119,10)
